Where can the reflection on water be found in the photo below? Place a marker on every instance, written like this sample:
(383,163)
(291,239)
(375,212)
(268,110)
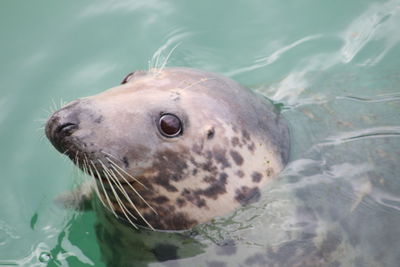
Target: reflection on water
(333,67)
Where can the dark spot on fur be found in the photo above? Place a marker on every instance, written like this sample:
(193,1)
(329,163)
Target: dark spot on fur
(208,166)
(160,200)
(194,172)
(176,177)
(256,176)
(235,141)
(209,179)
(222,177)
(220,157)
(216,188)
(210,133)
(236,157)
(240,173)
(171,163)
(181,202)
(164,182)
(125,161)
(165,252)
(149,185)
(246,195)
(246,135)
(251,147)
(201,203)
(193,161)
(171,166)
(99,119)
(193,198)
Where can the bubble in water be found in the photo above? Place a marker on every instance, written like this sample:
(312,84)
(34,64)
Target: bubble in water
(44,257)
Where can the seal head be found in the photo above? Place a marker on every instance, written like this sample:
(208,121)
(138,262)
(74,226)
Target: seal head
(175,147)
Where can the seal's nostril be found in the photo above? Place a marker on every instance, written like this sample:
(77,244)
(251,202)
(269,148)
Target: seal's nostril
(66,129)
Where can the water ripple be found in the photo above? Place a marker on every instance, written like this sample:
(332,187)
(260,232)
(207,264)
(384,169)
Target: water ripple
(267,60)
(378,98)
(369,26)
(376,132)
(7,230)
(100,8)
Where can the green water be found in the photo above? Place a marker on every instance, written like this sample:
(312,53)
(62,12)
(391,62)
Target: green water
(334,66)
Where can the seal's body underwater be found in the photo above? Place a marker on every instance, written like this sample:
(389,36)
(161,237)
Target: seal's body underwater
(175,147)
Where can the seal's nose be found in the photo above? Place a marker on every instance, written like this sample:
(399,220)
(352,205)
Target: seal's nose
(61,125)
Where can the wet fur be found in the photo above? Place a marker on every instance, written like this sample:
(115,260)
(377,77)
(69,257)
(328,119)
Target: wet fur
(233,142)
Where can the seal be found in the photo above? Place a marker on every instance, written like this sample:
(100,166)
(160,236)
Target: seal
(173,148)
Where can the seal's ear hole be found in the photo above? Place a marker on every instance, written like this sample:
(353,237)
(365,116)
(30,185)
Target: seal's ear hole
(210,133)
(127,78)
(170,125)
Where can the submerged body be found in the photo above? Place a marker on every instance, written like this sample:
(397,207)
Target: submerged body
(173,148)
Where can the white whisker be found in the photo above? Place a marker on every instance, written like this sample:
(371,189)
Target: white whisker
(47,111)
(118,185)
(134,190)
(42,137)
(53,108)
(168,56)
(157,59)
(96,188)
(121,169)
(116,168)
(62,103)
(76,158)
(123,191)
(103,188)
(105,172)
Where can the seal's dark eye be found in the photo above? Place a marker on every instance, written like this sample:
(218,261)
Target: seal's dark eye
(170,125)
(127,78)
